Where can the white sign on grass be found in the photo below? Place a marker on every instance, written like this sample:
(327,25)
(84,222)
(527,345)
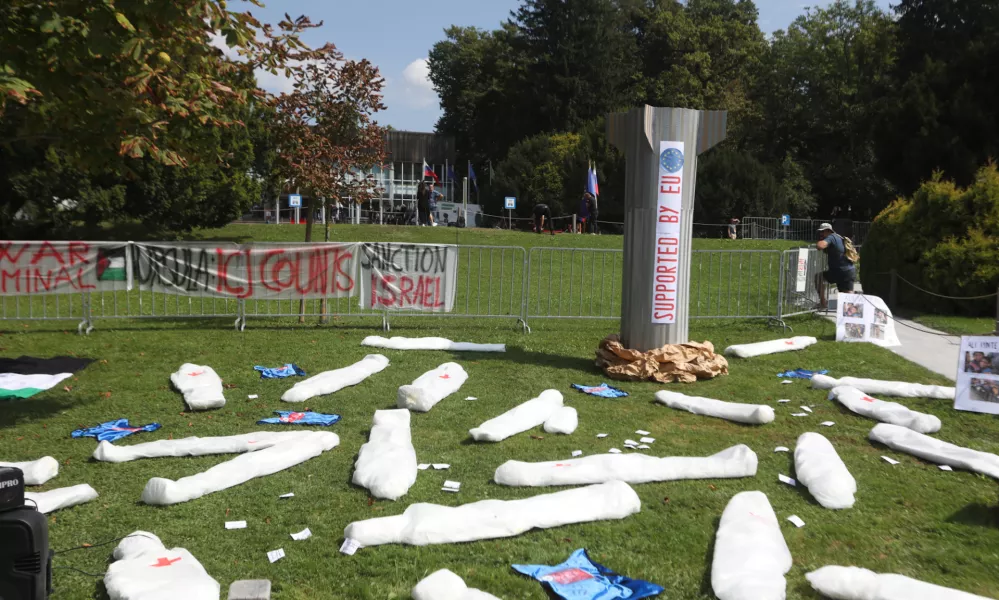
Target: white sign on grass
(669,181)
(861,318)
(978,375)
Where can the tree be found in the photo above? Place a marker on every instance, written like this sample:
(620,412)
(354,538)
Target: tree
(482,84)
(328,141)
(703,54)
(96,80)
(942,97)
(581,60)
(820,93)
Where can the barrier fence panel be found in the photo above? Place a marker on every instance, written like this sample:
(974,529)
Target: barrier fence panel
(801,266)
(568,283)
(585,283)
(46,307)
(162,294)
(739,284)
(488,284)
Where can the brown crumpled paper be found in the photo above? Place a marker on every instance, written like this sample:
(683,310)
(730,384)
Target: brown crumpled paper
(685,363)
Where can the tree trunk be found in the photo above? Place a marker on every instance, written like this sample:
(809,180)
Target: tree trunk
(310,218)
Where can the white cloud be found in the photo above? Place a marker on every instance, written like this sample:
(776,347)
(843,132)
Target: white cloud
(417,91)
(275,84)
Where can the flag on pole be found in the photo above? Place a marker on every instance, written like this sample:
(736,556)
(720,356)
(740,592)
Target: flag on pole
(451,175)
(472,177)
(591,181)
(428,172)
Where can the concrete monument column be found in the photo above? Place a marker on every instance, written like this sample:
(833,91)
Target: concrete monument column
(661,146)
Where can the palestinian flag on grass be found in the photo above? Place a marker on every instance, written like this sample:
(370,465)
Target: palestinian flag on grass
(25,376)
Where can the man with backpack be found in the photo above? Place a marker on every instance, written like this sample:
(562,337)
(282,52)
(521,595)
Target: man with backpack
(842,256)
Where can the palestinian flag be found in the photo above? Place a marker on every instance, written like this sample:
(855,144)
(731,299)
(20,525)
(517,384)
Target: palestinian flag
(111,264)
(25,376)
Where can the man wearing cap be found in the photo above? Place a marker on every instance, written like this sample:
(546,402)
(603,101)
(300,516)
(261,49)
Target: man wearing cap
(841,271)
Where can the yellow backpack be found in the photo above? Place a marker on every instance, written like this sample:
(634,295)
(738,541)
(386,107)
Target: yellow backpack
(850,251)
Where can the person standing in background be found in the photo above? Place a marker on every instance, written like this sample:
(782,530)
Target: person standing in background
(733,224)
(594,211)
(432,197)
(584,212)
(422,204)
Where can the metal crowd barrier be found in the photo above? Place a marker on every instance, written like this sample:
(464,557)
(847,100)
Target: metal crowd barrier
(491,282)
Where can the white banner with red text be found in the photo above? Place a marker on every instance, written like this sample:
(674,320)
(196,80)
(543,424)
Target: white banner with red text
(408,277)
(43,267)
(669,181)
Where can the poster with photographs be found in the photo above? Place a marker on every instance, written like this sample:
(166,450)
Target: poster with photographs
(978,375)
(861,318)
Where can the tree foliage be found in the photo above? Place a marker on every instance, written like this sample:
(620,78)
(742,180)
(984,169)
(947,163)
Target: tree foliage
(328,141)
(99,79)
(951,245)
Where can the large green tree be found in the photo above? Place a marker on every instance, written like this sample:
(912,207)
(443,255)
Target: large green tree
(941,108)
(819,95)
(482,83)
(700,54)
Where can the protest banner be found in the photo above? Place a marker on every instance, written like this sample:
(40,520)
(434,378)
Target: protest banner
(863,318)
(411,277)
(978,375)
(31,268)
(251,271)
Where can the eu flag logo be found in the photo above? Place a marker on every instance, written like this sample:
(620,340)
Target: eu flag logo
(671,160)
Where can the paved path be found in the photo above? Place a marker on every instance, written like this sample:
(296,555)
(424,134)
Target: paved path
(935,350)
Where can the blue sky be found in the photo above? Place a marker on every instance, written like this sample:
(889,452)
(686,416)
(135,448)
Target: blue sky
(396,35)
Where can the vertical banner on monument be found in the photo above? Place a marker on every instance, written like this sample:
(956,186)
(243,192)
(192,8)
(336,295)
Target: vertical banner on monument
(669,183)
(978,375)
(801,281)
(30,268)
(408,277)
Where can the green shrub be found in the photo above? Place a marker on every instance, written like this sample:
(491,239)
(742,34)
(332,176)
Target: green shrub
(944,239)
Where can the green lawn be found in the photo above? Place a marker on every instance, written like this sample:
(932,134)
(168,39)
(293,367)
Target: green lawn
(453,235)
(910,518)
(959,325)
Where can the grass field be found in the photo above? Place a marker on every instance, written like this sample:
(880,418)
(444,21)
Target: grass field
(910,518)
(959,325)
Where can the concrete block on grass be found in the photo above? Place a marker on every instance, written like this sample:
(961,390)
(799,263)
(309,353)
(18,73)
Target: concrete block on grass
(250,589)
